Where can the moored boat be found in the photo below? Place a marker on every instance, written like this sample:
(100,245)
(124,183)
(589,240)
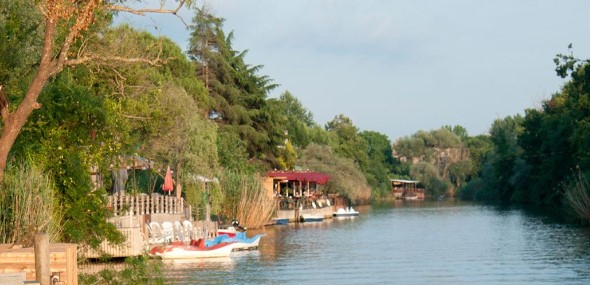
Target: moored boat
(179,250)
(348,212)
(239,242)
(232,230)
(311,218)
(280,221)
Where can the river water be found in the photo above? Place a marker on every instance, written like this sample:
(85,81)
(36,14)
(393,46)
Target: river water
(407,243)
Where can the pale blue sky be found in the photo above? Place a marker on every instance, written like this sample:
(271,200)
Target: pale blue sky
(397,67)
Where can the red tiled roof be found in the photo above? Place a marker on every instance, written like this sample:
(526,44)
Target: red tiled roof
(303,176)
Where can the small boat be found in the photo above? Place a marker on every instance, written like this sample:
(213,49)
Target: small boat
(231,230)
(411,198)
(280,221)
(311,218)
(239,242)
(179,250)
(348,212)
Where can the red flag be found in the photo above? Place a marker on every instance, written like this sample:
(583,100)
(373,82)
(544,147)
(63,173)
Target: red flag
(168,183)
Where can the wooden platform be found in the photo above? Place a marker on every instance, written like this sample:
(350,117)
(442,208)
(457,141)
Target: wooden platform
(62,262)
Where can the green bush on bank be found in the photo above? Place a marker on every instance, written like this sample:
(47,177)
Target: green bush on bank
(136,270)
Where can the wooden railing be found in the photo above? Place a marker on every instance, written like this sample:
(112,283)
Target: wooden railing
(145,205)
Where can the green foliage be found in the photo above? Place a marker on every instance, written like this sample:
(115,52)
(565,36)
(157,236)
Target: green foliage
(380,164)
(577,196)
(59,135)
(232,151)
(20,34)
(136,270)
(534,155)
(458,131)
(287,156)
(244,198)
(439,159)
(428,175)
(348,142)
(28,205)
(345,178)
(504,134)
(297,119)
(237,92)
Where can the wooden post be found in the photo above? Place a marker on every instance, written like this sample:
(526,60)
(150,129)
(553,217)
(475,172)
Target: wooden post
(42,258)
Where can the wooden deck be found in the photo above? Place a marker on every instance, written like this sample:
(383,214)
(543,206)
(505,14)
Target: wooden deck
(62,262)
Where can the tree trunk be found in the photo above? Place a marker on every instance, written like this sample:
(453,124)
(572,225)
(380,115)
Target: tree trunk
(13,122)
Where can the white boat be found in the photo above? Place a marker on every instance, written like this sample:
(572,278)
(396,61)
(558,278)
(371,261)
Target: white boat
(239,242)
(251,243)
(311,218)
(179,250)
(348,212)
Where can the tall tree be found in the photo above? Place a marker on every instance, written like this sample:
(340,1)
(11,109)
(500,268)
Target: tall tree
(64,25)
(238,93)
(380,161)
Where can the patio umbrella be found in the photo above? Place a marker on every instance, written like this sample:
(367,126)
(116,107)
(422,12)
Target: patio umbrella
(168,183)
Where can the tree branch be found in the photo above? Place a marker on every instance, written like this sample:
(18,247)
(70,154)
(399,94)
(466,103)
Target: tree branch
(155,62)
(142,12)
(4,103)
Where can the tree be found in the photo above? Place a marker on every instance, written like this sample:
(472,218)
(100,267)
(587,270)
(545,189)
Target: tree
(349,144)
(297,119)
(345,177)
(64,24)
(237,92)
(381,163)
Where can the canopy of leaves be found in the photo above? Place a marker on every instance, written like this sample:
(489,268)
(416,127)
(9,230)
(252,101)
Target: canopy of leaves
(238,94)
(345,178)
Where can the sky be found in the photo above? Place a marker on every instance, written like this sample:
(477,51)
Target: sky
(397,67)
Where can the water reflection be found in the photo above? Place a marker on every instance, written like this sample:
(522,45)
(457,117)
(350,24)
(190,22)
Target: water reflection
(410,243)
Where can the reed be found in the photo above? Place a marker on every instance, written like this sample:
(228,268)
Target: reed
(27,203)
(577,196)
(246,200)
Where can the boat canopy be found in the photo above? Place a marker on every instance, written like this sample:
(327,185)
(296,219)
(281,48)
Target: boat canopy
(303,176)
(402,181)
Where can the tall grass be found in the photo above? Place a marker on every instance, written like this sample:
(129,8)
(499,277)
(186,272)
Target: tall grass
(577,196)
(245,199)
(27,205)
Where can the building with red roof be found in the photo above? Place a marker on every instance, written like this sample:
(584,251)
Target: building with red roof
(294,183)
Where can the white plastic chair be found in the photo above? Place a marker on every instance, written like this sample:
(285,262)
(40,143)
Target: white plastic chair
(179,233)
(167,231)
(188,229)
(156,235)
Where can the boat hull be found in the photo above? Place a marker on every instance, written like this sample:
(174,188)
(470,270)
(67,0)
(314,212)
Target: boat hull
(345,215)
(341,212)
(247,245)
(239,242)
(192,252)
(278,221)
(311,218)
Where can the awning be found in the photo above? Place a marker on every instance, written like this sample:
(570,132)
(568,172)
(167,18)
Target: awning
(303,176)
(402,181)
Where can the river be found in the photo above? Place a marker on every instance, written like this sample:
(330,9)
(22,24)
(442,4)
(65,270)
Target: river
(407,243)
